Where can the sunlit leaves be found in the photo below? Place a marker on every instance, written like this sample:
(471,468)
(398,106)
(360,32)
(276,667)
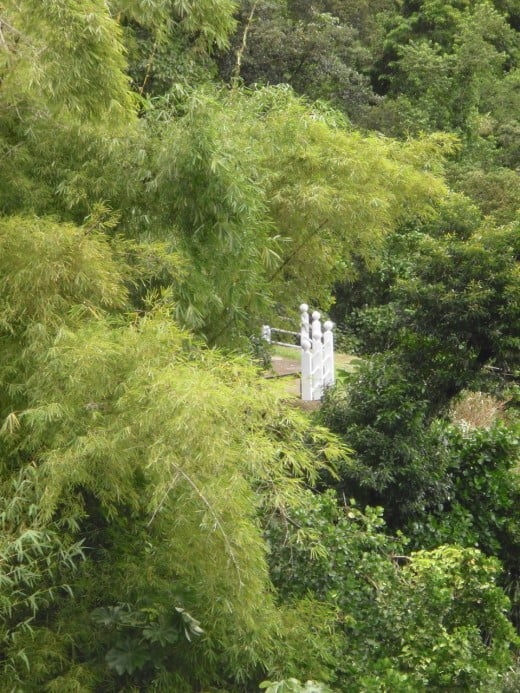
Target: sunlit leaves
(422,620)
(46,269)
(283,194)
(64,55)
(149,449)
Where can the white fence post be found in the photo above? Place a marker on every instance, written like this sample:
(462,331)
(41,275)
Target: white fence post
(306,376)
(328,354)
(317,356)
(304,323)
(316,349)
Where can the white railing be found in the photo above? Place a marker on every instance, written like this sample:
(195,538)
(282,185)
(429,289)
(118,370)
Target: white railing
(267,334)
(317,352)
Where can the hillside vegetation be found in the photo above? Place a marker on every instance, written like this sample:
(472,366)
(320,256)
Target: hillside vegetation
(175,173)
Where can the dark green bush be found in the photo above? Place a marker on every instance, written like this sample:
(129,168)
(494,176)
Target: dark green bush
(431,620)
(483,502)
(382,412)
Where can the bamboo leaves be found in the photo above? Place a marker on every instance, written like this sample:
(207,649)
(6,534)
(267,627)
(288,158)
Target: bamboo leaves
(66,55)
(270,199)
(146,450)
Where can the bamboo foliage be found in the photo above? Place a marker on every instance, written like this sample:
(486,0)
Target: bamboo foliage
(334,193)
(211,21)
(285,195)
(218,212)
(62,56)
(263,196)
(128,436)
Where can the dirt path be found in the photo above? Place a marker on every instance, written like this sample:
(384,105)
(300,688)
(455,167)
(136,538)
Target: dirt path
(289,369)
(285,366)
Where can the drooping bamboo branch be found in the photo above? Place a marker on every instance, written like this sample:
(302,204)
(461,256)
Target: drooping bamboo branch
(296,250)
(180,472)
(278,270)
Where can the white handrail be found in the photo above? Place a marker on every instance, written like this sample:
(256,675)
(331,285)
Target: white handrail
(317,352)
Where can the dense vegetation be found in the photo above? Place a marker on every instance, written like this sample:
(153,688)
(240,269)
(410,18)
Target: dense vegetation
(176,173)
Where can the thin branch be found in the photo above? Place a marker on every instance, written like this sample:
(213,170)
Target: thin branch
(163,499)
(148,68)
(9,26)
(240,52)
(288,519)
(3,42)
(277,271)
(10,150)
(371,581)
(395,557)
(295,252)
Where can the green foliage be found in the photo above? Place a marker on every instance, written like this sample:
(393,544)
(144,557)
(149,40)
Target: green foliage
(219,211)
(452,297)
(47,268)
(409,621)
(481,504)
(38,566)
(327,187)
(100,412)
(313,51)
(144,638)
(65,102)
(382,411)
(282,194)
(173,65)
(471,646)
(211,21)
(257,195)
(496,191)
(467,297)
(452,66)
(82,75)
(170,43)
(156,530)
(443,308)
(311,642)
